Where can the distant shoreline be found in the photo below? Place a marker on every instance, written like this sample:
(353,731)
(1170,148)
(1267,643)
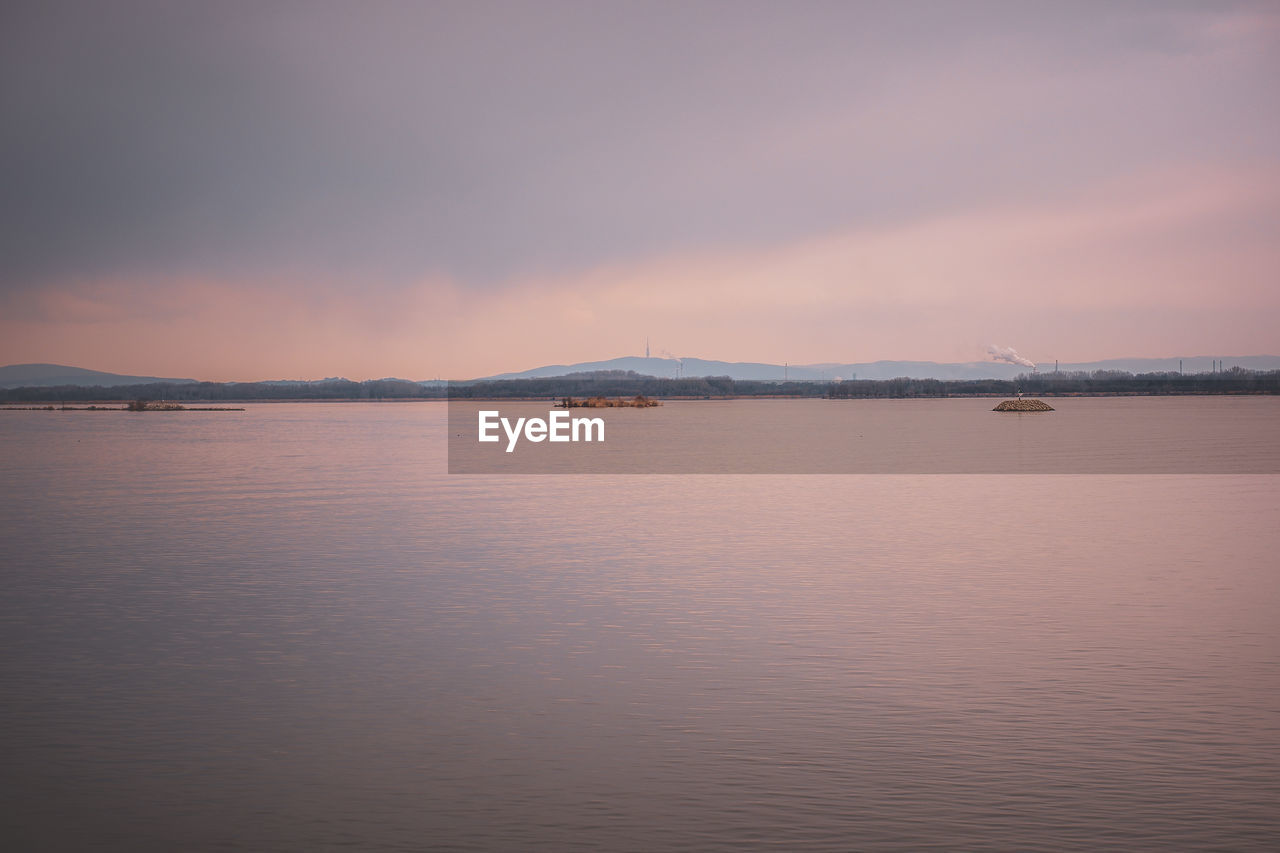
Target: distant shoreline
(97,408)
(622,384)
(118,405)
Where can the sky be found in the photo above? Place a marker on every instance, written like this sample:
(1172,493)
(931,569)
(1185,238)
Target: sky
(240,191)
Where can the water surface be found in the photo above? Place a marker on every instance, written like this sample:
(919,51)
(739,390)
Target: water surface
(959,435)
(288,629)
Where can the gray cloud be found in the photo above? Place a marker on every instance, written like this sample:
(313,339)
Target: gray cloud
(384,141)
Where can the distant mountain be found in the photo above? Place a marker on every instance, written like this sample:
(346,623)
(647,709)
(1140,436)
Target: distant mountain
(425,383)
(690,367)
(48,375)
(670,367)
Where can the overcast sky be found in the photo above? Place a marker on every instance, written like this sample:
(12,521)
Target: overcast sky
(262,190)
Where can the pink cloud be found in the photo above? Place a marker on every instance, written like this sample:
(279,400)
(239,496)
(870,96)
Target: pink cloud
(1155,265)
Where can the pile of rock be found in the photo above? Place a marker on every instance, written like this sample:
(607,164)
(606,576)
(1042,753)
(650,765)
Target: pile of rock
(640,401)
(1023,406)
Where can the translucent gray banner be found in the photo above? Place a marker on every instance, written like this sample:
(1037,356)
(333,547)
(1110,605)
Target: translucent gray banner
(1083,435)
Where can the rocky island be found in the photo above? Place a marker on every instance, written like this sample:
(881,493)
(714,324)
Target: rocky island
(1021,405)
(639,401)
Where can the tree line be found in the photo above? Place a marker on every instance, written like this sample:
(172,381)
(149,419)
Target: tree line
(618,383)
(1237,380)
(628,383)
(331,389)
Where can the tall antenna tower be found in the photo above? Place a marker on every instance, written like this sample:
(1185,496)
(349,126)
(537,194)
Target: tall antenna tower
(646,347)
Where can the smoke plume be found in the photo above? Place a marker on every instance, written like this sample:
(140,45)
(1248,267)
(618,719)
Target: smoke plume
(1010,355)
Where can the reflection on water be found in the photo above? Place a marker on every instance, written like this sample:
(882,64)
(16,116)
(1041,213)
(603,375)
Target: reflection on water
(288,629)
(1085,435)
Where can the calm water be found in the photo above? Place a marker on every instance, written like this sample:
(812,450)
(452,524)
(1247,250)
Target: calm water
(288,629)
(1083,435)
